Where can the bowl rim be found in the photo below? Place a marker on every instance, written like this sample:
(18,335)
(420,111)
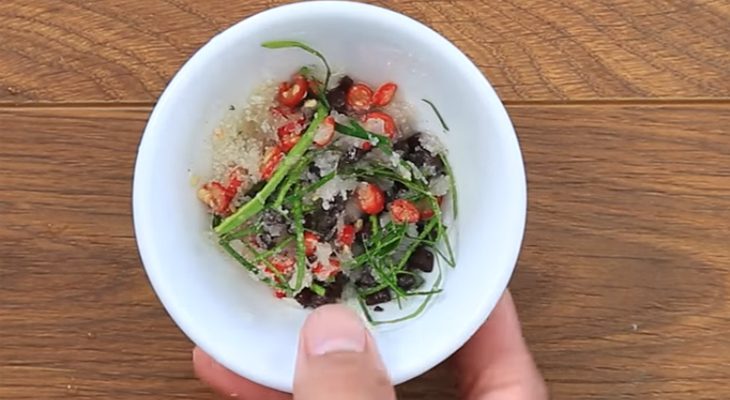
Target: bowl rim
(144,162)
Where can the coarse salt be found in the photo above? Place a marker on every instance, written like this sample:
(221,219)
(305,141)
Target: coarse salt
(330,190)
(439,185)
(432,144)
(327,162)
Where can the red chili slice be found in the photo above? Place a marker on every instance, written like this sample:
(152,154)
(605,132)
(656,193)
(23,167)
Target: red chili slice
(370,198)
(235,180)
(384,95)
(289,134)
(324,272)
(425,206)
(403,211)
(318,268)
(347,235)
(290,128)
(282,263)
(310,243)
(360,97)
(284,113)
(271,161)
(279,294)
(287,142)
(292,93)
(387,120)
(214,194)
(426,211)
(427,214)
(290,131)
(325,132)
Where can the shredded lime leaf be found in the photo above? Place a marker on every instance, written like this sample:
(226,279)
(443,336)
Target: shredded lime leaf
(285,44)
(438,114)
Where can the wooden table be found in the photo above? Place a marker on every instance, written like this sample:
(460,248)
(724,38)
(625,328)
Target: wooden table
(623,112)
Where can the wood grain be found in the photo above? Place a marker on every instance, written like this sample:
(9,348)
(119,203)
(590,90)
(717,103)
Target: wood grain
(623,282)
(623,112)
(108,51)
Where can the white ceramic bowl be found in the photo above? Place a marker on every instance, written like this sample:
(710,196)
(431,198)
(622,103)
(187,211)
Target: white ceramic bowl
(213,300)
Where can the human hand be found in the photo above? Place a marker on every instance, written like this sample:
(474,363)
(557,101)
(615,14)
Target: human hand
(337,359)
(495,364)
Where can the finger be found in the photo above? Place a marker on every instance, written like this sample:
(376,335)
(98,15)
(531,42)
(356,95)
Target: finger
(227,383)
(498,341)
(496,363)
(338,360)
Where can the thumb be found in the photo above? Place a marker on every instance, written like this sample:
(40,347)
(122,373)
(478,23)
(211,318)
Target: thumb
(338,360)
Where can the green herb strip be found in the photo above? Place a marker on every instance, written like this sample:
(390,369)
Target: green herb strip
(426,231)
(258,256)
(357,131)
(420,308)
(246,264)
(386,275)
(298,216)
(374,224)
(433,245)
(438,114)
(312,187)
(269,253)
(389,174)
(284,44)
(290,181)
(318,290)
(385,244)
(240,233)
(452,184)
(441,229)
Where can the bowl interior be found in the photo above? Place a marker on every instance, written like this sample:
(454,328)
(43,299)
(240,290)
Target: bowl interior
(213,300)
